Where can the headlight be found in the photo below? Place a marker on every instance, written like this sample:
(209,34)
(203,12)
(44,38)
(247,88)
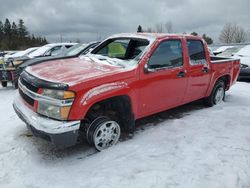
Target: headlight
(58,94)
(50,106)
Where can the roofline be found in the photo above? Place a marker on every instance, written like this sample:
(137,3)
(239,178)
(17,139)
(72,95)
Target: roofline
(152,36)
(61,43)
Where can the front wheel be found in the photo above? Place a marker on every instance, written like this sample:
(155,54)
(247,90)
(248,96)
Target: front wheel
(217,95)
(103,132)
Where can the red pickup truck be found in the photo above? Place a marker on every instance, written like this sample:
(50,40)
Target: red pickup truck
(128,76)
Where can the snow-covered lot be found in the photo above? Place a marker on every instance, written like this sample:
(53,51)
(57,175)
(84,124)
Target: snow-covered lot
(191,146)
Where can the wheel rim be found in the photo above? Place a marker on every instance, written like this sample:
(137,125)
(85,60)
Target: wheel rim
(219,95)
(106,135)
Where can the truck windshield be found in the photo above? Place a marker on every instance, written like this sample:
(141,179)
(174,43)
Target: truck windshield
(127,49)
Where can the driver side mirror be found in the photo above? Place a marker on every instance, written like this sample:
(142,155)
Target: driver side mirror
(147,69)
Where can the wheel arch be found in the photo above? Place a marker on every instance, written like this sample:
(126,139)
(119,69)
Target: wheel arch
(225,78)
(122,104)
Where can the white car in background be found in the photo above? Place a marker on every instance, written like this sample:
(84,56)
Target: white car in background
(244,55)
(20,53)
(230,52)
(221,49)
(51,49)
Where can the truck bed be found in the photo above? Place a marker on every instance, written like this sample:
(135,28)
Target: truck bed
(215,59)
(225,66)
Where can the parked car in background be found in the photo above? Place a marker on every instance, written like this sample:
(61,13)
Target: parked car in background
(213,48)
(221,49)
(52,49)
(11,57)
(244,72)
(2,54)
(244,55)
(47,50)
(231,51)
(242,52)
(128,76)
(74,51)
(17,66)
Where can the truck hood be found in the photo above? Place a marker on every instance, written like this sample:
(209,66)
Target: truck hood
(73,71)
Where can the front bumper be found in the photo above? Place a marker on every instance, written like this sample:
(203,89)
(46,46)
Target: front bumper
(64,133)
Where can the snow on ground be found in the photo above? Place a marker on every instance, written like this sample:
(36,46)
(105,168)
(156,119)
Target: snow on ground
(191,146)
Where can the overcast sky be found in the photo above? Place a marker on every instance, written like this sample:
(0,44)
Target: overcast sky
(94,19)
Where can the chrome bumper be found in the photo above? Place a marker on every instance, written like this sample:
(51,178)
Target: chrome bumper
(43,124)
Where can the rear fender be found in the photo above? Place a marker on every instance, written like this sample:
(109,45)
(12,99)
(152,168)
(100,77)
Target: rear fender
(226,78)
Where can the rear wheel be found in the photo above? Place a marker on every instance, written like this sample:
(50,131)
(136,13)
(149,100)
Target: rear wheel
(217,95)
(103,132)
(4,83)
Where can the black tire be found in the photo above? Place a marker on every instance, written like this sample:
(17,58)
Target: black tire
(101,138)
(217,95)
(4,83)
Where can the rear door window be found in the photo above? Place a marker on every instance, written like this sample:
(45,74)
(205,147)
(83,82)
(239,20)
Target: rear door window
(196,52)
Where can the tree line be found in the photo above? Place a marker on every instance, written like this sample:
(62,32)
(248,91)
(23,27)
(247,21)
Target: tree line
(16,36)
(230,33)
(168,28)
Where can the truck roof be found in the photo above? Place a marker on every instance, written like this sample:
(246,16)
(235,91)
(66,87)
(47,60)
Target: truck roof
(151,36)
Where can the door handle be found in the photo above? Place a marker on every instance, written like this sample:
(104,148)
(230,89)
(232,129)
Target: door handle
(205,69)
(181,74)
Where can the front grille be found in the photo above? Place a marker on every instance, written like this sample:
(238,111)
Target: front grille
(29,100)
(28,85)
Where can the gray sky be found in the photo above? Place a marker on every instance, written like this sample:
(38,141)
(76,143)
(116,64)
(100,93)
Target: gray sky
(94,19)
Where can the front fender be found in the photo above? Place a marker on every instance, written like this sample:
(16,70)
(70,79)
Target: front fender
(100,93)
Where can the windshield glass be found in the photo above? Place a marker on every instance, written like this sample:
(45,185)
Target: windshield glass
(39,52)
(230,51)
(74,50)
(125,51)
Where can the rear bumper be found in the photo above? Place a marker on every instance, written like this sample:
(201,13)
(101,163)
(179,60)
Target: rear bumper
(63,133)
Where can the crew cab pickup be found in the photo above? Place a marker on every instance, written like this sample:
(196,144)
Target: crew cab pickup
(128,76)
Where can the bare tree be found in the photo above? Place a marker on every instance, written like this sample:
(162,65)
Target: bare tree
(240,35)
(169,27)
(149,30)
(159,28)
(232,33)
(248,35)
